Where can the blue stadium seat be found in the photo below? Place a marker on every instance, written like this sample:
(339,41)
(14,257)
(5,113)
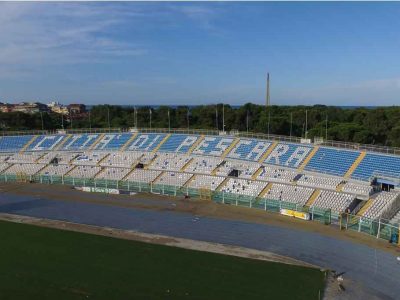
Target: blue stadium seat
(332,161)
(113,141)
(46,142)
(146,141)
(288,155)
(14,143)
(213,145)
(386,164)
(80,142)
(179,143)
(249,149)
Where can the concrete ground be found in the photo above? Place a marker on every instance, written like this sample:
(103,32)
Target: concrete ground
(370,266)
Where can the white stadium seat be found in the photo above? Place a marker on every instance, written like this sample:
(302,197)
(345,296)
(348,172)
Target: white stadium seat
(289,193)
(206,181)
(86,171)
(141,175)
(173,178)
(329,183)
(203,164)
(244,186)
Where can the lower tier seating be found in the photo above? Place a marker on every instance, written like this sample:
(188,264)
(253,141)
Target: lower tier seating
(380,204)
(289,193)
(141,175)
(244,187)
(113,173)
(336,201)
(173,178)
(85,171)
(206,181)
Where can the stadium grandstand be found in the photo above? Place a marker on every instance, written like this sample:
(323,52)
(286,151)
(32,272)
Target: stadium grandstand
(364,183)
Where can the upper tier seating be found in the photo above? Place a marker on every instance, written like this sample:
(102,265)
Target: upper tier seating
(246,169)
(173,178)
(29,157)
(28,169)
(84,171)
(289,193)
(380,204)
(206,181)
(89,158)
(244,187)
(146,142)
(357,188)
(14,143)
(112,141)
(275,174)
(213,145)
(329,183)
(46,142)
(80,142)
(141,175)
(288,155)
(169,161)
(56,170)
(389,165)
(113,173)
(180,143)
(332,161)
(337,202)
(121,159)
(247,149)
(203,165)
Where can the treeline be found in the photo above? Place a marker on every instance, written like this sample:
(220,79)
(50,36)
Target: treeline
(380,126)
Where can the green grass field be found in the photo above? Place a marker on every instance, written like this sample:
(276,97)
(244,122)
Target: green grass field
(42,263)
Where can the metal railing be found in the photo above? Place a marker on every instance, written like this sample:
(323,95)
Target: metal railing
(380,228)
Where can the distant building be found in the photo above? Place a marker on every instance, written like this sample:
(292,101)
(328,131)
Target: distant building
(6,107)
(77,109)
(30,107)
(57,108)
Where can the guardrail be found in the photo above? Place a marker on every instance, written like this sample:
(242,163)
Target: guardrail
(263,136)
(381,228)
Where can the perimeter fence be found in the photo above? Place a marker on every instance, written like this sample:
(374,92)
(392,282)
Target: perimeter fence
(380,228)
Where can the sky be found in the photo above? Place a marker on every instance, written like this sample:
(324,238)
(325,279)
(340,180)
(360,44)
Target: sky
(175,53)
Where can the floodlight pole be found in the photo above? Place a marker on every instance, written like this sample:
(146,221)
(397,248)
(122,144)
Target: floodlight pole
(41,117)
(188,116)
(223,117)
(134,117)
(169,121)
(216,116)
(247,122)
(326,127)
(90,122)
(305,132)
(62,120)
(150,117)
(291,123)
(108,118)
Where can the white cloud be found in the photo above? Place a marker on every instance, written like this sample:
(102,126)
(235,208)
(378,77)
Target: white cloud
(34,35)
